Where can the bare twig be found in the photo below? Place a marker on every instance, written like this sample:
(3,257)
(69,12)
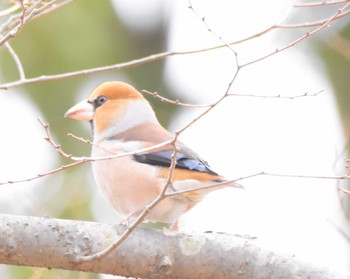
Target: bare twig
(220,38)
(133,63)
(176,102)
(264,173)
(309,24)
(90,143)
(279,96)
(17,61)
(22,15)
(41,175)
(322,3)
(335,177)
(300,39)
(80,139)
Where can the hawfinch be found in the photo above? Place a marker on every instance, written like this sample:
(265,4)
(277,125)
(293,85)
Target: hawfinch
(123,121)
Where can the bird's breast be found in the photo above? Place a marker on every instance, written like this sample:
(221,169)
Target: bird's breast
(128,185)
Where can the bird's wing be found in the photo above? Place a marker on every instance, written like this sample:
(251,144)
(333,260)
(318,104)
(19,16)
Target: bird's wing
(185,159)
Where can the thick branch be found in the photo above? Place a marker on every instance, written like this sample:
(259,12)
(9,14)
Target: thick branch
(147,253)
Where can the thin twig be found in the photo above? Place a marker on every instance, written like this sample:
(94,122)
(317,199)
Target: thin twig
(176,102)
(17,61)
(90,143)
(262,173)
(22,15)
(80,139)
(310,24)
(279,96)
(41,175)
(202,18)
(339,177)
(314,4)
(300,39)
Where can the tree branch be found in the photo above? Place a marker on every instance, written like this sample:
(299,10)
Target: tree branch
(147,253)
(155,57)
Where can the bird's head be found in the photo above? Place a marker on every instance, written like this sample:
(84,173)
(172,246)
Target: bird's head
(113,108)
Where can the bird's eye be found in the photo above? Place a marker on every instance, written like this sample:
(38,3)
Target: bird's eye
(99,101)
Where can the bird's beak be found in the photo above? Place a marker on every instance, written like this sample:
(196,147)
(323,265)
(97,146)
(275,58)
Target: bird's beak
(83,111)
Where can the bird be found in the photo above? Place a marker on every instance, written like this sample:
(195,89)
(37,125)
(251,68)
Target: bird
(124,122)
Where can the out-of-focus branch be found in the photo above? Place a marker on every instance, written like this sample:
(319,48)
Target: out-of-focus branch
(54,243)
(339,44)
(279,96)
(29,11)
(17,61)
(10,10)
(323,3)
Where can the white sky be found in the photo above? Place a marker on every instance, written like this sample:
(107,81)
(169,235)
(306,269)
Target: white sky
(24,153)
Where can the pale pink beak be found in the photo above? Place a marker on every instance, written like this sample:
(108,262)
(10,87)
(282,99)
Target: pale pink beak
(83,111)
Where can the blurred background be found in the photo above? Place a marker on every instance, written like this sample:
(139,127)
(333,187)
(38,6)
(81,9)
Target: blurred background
(303,136)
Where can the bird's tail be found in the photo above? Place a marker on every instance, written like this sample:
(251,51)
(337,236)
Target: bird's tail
(229,183)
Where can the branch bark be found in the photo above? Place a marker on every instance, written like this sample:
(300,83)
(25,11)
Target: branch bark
(147,253)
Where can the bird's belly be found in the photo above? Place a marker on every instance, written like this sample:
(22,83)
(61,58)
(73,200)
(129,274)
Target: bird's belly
(131,187)
(128,186)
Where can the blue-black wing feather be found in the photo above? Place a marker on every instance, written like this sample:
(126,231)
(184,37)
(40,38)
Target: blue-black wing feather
(184,160)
